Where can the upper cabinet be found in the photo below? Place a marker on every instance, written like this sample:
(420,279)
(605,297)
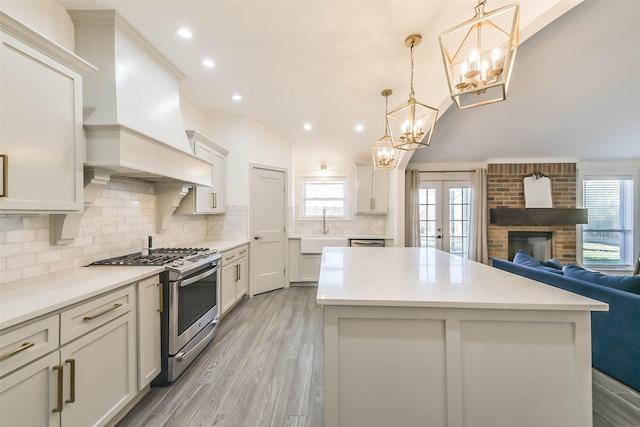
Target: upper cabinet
(372,189)
(201,199)
(41,137)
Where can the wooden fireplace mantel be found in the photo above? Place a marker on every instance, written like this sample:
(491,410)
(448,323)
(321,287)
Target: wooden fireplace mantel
(538,216)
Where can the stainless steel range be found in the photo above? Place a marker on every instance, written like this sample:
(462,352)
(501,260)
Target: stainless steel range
(189,316)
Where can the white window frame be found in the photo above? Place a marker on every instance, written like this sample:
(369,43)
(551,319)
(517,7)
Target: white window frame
(604,170)
(314,178)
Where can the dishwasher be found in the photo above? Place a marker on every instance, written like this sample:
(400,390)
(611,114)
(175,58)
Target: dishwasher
(371,243)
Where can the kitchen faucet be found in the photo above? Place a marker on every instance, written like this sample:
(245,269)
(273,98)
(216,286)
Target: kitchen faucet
(325,230)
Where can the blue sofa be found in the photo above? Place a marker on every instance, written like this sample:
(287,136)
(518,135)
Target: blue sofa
(615,334)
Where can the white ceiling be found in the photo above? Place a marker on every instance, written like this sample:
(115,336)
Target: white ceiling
(326,62)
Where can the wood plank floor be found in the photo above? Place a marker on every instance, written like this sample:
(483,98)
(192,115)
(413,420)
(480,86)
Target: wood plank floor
(265,369)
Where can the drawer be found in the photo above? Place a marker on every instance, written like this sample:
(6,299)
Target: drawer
(26,343)
(232,255)
(94,313)
(242,251)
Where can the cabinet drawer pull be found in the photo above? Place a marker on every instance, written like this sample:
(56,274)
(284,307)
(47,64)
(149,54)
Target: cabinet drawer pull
(72,380)
(60,379)
(13,352)
(242,252)
(4,160)
(231,256)
(237,273)
(161,308)
(105,311)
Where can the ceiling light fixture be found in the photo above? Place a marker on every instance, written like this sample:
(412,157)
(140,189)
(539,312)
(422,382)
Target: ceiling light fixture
(359,128)
(483,51)
(384,154)
(184,33)
(236,97)
(412,123)
(307,126)
(208,63)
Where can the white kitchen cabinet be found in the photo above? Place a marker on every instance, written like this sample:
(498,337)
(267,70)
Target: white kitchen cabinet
(29,395)
(234,277)
(75,367)
(310,267)
(201,199)
(103,363)
(372,189)
(149,308)
(41,137)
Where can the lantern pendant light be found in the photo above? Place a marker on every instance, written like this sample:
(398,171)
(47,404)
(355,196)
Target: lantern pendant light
(385,156)
(411,124)
(479,54)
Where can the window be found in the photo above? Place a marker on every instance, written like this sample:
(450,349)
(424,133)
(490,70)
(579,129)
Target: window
(607,240)
(320,194)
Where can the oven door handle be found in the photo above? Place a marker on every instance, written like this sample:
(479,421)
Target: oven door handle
(192,280)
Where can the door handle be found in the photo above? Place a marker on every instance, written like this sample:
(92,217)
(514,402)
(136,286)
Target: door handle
(257,237)
(438,237)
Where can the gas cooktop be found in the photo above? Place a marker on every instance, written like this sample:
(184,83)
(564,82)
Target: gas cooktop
(173,257)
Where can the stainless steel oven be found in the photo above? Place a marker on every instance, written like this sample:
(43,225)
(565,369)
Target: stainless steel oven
(192,314)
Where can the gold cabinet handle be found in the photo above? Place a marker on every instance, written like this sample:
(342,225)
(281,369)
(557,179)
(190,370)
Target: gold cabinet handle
(242,252)
(60,379)
(213,200)
(161,302)
(72,380)
(4,159)
(15,351)
(237,273)
(105,311)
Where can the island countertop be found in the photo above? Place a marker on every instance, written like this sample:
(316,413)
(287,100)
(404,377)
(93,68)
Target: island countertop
(425,277)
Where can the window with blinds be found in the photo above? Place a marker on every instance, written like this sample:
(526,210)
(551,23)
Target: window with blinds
(607,240)
(324,195)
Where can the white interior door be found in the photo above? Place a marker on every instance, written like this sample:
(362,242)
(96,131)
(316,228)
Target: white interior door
(445,208)
(268,225)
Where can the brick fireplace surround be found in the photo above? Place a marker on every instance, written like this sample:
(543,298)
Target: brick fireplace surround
(505,188)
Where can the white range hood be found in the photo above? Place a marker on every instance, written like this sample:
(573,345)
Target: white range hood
(132,115)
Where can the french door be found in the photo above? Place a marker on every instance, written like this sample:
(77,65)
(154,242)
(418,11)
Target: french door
(445,208)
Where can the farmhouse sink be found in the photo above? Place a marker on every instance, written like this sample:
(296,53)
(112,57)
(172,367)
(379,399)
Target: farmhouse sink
(314,244)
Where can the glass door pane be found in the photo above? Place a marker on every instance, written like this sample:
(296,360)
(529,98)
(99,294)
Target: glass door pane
(430,215)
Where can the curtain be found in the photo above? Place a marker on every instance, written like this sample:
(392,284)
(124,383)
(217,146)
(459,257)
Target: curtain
(412,209)
(478,250)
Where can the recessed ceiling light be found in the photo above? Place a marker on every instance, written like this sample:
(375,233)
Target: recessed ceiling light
(184,33)
(307,126)
(359,128)
(236,97)
(208,63)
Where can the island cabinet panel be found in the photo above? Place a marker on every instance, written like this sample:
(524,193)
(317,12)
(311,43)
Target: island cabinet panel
(406,389)
(456,367)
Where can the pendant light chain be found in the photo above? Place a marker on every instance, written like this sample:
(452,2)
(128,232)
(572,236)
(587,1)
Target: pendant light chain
(386,110)
(412,91)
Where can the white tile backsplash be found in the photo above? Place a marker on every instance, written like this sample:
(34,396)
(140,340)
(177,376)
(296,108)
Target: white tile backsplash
(114,225)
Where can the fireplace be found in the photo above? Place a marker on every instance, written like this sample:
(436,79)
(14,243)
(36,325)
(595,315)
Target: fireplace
(538,244)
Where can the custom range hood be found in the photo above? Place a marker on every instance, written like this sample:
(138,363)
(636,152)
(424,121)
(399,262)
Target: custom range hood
(132,117)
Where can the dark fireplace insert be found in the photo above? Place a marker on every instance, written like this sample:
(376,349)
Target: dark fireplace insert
(538,244)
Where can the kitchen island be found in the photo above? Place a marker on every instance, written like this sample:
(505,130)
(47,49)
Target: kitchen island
(419,337)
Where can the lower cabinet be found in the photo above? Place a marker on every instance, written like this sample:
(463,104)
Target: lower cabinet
(234,277)
(149,309)
(28,396)
(101,373)
(88,370)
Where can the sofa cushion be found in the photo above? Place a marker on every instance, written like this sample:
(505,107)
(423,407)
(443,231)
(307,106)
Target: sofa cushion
(624,283)
(553,263)
(527,260)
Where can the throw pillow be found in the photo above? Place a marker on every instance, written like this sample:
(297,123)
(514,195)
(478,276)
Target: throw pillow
(527,260)
(624,283)
(554,263)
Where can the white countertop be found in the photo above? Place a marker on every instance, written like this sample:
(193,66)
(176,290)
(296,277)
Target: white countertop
(219,245)
(348,236)
(27,299)
(421,277)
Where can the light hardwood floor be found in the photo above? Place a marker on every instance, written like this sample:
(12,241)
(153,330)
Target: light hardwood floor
(265,369)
